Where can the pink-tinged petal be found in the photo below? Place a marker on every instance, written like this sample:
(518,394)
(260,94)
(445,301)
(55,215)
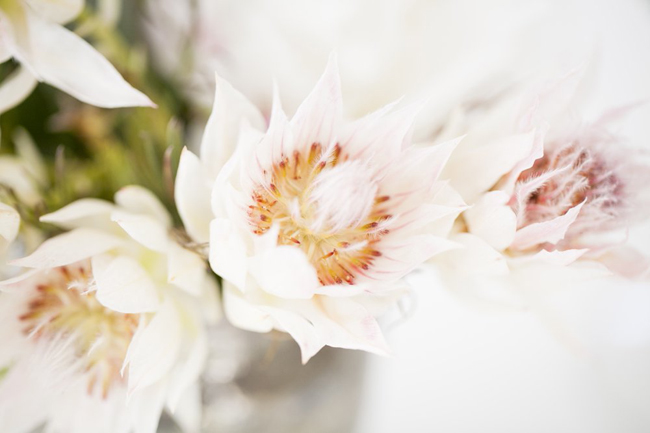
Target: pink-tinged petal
(185,269)
(344,323)
(145,230)
(61,58)
(380,135)
(228,252)
(551,231)
(86,212)
(285,271)
(192,194)
(317,118)
(221,133)
(69,248)
(123,285)
(244,314)
(626,261)
(556,258)
(16,88)
(155,348)
(9,222)
(138,200)
(58,11)
(476,167)
(536,152)
(20,282)
(492,220)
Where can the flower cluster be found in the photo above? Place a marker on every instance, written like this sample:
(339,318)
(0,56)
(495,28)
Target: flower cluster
(305,224)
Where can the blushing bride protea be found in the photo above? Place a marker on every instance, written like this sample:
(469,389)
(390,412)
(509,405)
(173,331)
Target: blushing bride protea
(313,222)
(32,32)
(107,328)
(558,193)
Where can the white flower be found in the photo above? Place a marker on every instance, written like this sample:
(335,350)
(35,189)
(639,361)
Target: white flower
(314,222)
(32,32)
(108,326)
(553,194)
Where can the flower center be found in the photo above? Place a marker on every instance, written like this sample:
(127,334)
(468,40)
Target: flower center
(65,305)
(327,206)
(579,175)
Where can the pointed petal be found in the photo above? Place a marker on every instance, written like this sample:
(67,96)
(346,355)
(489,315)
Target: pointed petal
(492,220)
(16,88)
(9,222)
(86,212)
(123,285)
(143,229)
(185,269)
(285,271)
(146,406)
(229,110)
(228,253)
(551,231)
(139,200)
(318,116)
(188,371)
(69,248)
(61,58)
(301,330)
(242,313)
(153,353)
(192,195)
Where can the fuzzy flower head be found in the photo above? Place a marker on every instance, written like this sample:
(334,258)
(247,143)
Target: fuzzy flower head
(316,215)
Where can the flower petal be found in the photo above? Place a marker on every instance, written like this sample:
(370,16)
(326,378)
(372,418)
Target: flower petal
(139,200)
(285,271)
(9,222)
(58,11)
(154,348)
(192,194)
(229,110)
(551,231)
(317,117)
(242,313)
(227,252)
(144,229)
(185,269)
(61,58)
(492,220)
(16,88)
(86,212)
(123,285)
(68,248)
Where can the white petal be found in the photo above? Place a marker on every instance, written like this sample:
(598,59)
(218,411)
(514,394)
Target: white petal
(61,58)
(557,258)
(16,88)
(285,271)
(144,229)
(69,248)
(242,313)
(477,257)
(229,110)
(86,212)
(9,222)
(318,116)
(187,371)
(29,153)
(187,413)
(186,269)
(146,406)
(228,253)
(192,195)
(139,200)
(301,330)
(153,353)
(59,11)
(123,285)
(492,220)
(551,231)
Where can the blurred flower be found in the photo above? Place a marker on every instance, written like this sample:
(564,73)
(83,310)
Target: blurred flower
(554,193)
(108,326)
(314,222)
(32,32)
